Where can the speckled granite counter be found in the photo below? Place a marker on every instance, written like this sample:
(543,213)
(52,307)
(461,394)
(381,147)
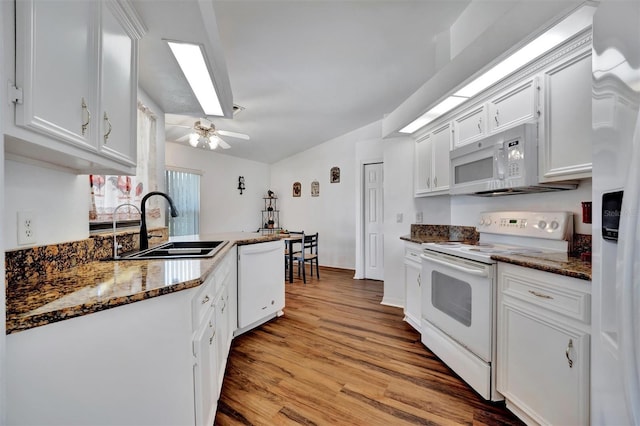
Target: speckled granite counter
(100,285)
(557,263)
(421,233)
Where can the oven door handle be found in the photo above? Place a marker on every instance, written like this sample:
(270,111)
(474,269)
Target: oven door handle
(476,272)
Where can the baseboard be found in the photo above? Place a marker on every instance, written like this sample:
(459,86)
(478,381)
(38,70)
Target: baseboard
(396,303)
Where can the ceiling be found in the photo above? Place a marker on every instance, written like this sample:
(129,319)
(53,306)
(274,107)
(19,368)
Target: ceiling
(305,72)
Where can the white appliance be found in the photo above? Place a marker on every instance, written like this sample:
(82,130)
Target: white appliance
(459,289)
(505,163)
(615,311)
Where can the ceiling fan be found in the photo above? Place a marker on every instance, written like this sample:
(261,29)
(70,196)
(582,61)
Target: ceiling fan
(204,134)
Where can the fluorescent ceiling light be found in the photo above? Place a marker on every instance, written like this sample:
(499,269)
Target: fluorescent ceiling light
(191,59)
(446,105)
(568,27)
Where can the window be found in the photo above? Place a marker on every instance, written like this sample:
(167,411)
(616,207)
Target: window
(184,189)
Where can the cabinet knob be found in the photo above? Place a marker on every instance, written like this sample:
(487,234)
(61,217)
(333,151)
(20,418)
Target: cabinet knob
(206,299)
(85,124)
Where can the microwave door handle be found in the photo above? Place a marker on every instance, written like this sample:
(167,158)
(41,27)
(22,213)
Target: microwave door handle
(499,163)
(476,272)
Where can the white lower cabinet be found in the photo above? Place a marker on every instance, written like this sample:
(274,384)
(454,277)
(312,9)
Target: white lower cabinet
(159,361)
(543,345)
(412,285)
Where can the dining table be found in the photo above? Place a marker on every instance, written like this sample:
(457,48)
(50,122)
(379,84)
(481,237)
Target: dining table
(289,241)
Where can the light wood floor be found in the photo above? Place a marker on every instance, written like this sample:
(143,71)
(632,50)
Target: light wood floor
(338,357)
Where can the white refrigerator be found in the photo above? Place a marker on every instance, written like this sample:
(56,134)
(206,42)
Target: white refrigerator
(615,348)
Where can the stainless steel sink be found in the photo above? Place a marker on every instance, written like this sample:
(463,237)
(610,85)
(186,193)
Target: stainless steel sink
(178,250)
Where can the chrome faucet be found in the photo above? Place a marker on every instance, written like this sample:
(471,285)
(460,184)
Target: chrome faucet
(144,237)
(115,241)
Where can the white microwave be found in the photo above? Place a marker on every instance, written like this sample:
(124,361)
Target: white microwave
(505,163)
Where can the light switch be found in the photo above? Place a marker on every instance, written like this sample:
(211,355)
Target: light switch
(399,218)
(418,217)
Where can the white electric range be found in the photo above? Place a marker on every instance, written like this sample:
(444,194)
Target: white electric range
(459,288)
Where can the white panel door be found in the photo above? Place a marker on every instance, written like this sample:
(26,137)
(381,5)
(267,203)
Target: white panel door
(374,222)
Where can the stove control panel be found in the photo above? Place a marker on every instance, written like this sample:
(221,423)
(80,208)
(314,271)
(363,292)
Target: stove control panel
(549,225)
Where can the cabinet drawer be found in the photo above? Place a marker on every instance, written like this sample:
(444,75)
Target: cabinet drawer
(203,300)
(412,254)
(553,292)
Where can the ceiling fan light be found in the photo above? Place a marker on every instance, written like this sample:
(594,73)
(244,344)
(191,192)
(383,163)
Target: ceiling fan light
(214,141)
(193,139)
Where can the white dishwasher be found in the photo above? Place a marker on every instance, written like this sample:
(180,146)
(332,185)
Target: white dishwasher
(260,283)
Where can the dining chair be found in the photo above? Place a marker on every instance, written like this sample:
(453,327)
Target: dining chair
(309,253)
(291,245)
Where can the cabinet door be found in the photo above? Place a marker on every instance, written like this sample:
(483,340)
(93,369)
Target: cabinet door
(56,48)
(565,131)
(514,106)
(205,371)
(543,367)
(441,145)
(412,303)
(117,118)
(471,125)
(422,166)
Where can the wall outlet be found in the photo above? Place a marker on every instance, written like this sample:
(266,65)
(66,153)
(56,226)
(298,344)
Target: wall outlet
(26,227)
(419,217)
(399,218)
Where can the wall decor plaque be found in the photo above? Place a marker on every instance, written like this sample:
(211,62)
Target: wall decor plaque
(335,175)
(315,188)
(297,189)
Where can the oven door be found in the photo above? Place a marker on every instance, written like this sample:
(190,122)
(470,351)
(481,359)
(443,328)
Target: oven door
(457,298)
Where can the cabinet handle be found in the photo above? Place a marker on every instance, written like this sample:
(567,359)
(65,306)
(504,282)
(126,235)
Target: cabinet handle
(206,299)
(85,124)
(567,354)
(419,281)
(480,125)
(106,135)
(428,182)
(496,117)
(212,337)
(544,296)
(435,182)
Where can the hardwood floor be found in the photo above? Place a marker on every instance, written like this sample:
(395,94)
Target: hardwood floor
(338,357)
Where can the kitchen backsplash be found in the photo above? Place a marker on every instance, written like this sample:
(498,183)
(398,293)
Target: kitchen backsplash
(448,232)
(33,262)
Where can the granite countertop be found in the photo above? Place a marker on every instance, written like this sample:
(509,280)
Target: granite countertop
(100,285)
(557,263)
(420,239)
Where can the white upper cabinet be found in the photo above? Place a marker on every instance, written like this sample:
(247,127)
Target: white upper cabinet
(470,125)
(515,105)
(118,81)
(76,66)
(56,50)
(565,125)
(431,173)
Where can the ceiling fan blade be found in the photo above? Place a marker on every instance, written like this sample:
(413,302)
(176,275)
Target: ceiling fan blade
(223,144)
(178,125)
(183,138)
(234,134)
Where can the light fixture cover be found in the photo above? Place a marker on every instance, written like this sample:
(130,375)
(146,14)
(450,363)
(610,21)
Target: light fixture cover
(193,64)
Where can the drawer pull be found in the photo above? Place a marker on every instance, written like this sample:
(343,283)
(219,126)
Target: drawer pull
(568,355)
(206,299)
(544,296)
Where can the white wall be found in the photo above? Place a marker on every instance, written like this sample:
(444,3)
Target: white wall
(333,214)
(222,208)
(58,200)
(398,199)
